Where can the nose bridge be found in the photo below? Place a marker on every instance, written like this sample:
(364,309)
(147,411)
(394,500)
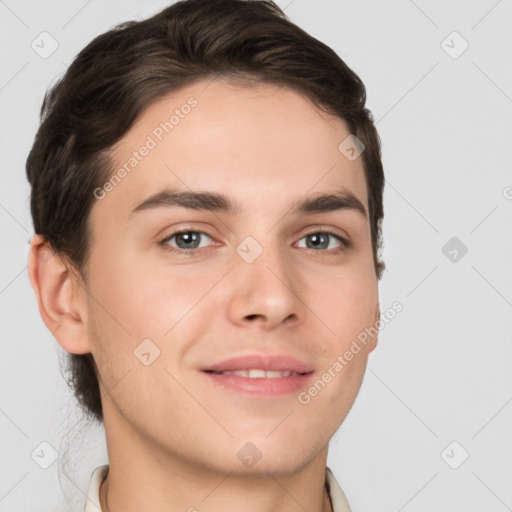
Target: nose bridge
(264,284)
(266,258)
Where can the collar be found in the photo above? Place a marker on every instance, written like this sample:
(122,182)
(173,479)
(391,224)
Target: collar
(92,503)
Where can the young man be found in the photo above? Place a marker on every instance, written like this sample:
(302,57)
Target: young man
(207,200)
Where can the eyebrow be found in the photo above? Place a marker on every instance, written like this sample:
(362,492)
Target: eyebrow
(215,202)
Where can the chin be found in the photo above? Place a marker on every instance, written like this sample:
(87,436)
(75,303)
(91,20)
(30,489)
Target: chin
(263,455)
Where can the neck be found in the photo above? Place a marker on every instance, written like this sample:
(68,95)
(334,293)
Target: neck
(104,500)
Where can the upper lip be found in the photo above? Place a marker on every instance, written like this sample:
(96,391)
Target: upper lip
(277,362)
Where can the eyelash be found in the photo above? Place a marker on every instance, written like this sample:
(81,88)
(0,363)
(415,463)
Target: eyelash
(345,244)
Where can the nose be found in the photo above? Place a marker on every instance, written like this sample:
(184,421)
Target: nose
(266,292)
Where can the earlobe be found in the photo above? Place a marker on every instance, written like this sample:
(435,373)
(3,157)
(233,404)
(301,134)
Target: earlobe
(61,306)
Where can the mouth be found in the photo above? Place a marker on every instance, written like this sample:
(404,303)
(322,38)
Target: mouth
(257,373)
(258,382)
(257,363)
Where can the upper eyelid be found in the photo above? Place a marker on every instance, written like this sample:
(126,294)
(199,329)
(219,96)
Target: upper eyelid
(315,228)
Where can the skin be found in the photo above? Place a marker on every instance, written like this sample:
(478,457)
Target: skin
(172,437)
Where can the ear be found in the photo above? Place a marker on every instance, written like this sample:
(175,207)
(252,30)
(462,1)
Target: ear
(60,296)
(374,339)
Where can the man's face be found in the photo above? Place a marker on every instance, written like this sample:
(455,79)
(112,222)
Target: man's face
(266,280)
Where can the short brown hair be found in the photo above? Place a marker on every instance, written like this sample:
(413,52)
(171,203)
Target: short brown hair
(121,72)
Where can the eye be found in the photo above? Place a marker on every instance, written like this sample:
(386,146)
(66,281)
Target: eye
(189,242)
(319,240)
(186,241)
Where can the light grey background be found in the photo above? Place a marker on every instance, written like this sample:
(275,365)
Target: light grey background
(442,371)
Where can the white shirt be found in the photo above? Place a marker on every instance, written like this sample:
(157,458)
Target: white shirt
(92,503)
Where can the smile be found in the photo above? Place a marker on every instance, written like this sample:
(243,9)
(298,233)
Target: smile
(256,373)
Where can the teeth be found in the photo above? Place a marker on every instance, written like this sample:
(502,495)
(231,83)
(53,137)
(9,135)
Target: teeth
(260,374)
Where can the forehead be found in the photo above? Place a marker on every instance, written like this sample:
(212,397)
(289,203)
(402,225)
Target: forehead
(262,144)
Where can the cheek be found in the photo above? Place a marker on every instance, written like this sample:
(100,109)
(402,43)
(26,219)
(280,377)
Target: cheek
(346,305)
(140,301)
(173,300)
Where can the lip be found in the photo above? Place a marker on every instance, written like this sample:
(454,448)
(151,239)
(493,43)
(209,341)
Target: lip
(262,387)
(276,362)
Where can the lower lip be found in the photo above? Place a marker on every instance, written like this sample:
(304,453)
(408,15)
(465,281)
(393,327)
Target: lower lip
(261,386)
